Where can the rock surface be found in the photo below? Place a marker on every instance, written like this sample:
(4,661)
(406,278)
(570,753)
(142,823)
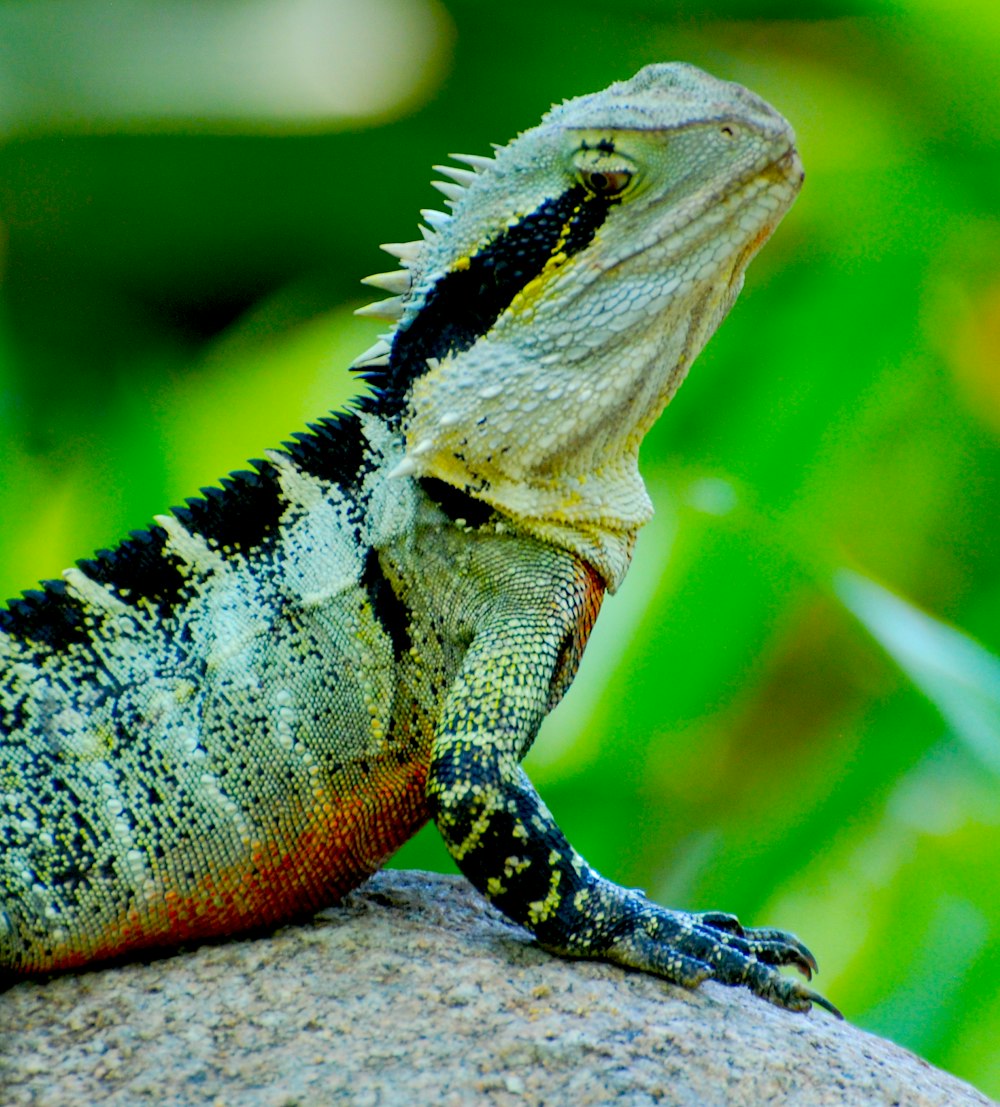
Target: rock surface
(413,991)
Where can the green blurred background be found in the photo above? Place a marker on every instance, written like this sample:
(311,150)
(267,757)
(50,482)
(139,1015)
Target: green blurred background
(777,715)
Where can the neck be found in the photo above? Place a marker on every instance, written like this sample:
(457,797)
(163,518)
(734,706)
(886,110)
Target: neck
(546,434)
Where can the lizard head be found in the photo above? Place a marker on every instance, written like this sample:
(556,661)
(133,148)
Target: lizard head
(541,327)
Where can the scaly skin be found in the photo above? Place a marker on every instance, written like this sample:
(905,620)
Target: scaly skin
(237,716)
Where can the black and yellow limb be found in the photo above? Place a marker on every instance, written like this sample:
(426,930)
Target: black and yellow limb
(508,845)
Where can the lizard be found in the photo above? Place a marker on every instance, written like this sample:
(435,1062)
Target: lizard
(234,717)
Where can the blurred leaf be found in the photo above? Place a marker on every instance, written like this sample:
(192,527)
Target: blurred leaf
(959,677)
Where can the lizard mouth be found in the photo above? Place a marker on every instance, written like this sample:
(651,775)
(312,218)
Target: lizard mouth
(788,167)
(767,191)
(785,173)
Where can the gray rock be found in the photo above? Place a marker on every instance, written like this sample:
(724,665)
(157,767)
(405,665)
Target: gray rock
(413,991)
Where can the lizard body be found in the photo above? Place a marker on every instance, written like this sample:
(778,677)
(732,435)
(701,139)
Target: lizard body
(236,716)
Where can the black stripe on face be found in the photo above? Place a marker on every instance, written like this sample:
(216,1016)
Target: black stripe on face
(466,302)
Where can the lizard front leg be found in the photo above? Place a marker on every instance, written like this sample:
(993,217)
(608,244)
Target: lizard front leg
(508,845)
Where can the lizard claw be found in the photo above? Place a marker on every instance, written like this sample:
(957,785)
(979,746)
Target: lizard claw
(822,1001)
(788,993)
(798,954)
(687,948)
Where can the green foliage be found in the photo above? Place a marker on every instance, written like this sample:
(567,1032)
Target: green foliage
(758,725)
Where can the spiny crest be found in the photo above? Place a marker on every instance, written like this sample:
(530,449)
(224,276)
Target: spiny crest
(156,569)
(399,282)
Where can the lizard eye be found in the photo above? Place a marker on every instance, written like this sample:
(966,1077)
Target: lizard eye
(602,169)
(605,182)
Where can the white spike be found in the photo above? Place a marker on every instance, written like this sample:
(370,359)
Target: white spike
(93,594)
(391,309)
(397,281)
(490,392)
(436,219)
(463,177)
(422,448)
(405,251)
(432,363)
(406,468)
(425,232)
(453,192)
(374,356)
(449,419)
(191,548)
(475,161)
(297,487)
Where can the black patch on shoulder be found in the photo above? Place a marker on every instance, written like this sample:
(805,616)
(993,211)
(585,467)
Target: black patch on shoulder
(391,612)
(457,504)
(465,303)
(137,568)
(51,617)
(140,567)
(334,449)
(241,515)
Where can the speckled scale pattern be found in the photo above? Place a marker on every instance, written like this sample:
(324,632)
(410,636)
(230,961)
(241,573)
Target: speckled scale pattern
(265,746)
(218,768)
(236,716)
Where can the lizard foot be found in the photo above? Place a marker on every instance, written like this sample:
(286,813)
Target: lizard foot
(689,948)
